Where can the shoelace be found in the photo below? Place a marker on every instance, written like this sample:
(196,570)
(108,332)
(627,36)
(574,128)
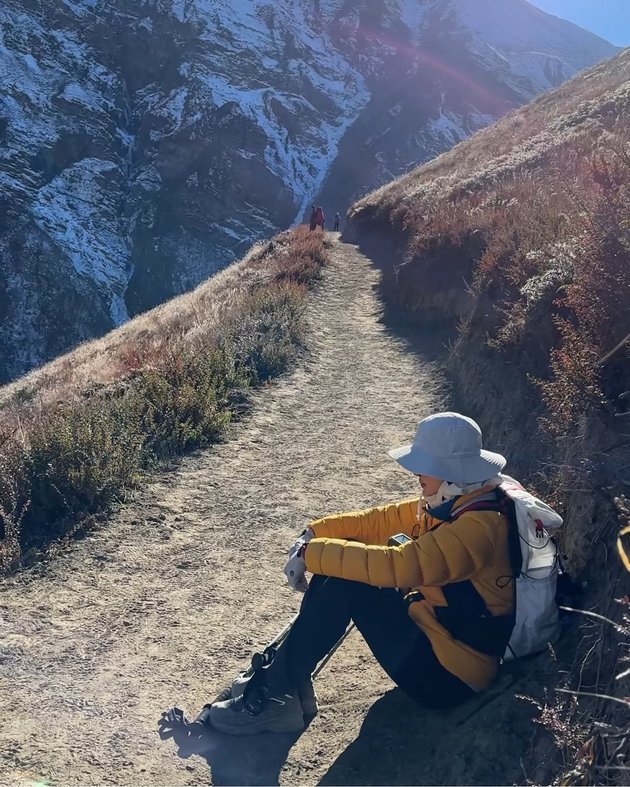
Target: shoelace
(280,701)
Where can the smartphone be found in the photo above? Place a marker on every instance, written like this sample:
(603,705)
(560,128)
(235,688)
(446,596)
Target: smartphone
(398,540)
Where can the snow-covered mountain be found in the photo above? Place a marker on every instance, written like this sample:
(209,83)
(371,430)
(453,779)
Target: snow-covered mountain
(144,144)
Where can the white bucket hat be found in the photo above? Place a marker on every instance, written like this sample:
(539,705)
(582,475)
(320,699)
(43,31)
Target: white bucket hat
(448,446)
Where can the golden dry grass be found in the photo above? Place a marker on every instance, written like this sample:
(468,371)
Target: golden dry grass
(521,234)
(144,340)
(591,104)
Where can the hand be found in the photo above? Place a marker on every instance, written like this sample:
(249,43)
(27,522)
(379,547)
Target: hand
(295,569)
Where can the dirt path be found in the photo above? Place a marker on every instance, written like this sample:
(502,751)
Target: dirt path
(165,603)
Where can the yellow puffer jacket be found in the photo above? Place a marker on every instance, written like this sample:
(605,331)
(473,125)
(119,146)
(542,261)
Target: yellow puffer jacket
(455,566)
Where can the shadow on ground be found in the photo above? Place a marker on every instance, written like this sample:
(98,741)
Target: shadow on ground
(423,334)
(482,742)
(409,738)
(249,760)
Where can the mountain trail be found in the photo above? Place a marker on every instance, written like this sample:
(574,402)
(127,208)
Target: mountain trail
(167,601)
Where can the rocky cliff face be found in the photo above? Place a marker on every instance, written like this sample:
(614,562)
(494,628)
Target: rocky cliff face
(144,145)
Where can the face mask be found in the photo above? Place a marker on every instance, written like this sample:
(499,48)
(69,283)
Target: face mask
(448,490)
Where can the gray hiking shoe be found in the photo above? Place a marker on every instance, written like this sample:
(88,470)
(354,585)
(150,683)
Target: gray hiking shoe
(235,690)
(306,694)
(279,714)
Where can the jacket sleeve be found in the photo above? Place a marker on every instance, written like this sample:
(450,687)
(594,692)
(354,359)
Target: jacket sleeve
(451,553)
(372,526)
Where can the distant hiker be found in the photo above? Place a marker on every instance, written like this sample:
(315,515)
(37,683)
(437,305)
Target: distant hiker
(320,219)
(337,221)
(441,637)
(313,220)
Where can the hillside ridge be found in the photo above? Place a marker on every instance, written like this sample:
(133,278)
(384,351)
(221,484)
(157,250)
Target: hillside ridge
(144,147)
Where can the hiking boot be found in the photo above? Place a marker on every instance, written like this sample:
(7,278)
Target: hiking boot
(235,690)
(282,713)
(305,692)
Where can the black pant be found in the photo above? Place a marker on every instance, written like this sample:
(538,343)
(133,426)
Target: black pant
(380,614)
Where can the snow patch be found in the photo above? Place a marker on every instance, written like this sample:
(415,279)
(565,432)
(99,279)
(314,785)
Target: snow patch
(75,93)
(301,160)
(31,62)
(448,127)
(509,29)
(80,215)
(413,14)
(118,310)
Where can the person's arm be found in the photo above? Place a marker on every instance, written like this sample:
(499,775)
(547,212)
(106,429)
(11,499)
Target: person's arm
(450,553)
(372,526)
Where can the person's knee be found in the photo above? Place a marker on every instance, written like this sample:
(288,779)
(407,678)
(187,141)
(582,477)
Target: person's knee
(358,595)
(332,585)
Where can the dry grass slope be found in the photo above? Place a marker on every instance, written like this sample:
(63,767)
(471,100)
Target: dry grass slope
(76,435)
(520,239)
(522,235)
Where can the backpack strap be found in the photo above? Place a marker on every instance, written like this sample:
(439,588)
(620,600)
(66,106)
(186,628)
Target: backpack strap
(500,502)
(466,615)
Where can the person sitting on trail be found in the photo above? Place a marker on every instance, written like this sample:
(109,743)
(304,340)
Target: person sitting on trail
(313,220)
(337,222)
(320,219)
(437,611)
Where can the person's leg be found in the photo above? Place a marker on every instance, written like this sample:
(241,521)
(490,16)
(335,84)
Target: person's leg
(271,698)
(381,616)
(324,616)
(405,653)
(310,648)
(328,606)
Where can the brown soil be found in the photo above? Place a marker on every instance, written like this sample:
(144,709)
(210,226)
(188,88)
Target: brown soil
(167,601)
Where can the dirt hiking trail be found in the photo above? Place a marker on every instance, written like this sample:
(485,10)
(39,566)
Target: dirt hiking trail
(166,602)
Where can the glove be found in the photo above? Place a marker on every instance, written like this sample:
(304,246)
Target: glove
(295,569)
(302,540)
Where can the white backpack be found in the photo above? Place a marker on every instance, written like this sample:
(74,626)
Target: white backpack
(535,563)
(537,621)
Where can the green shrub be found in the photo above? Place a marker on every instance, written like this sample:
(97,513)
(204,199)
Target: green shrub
(266,337)
(186,404)
(80,458)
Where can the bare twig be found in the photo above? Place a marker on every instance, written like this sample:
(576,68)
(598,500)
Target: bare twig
(596,615)
(615,349)
(596,696)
